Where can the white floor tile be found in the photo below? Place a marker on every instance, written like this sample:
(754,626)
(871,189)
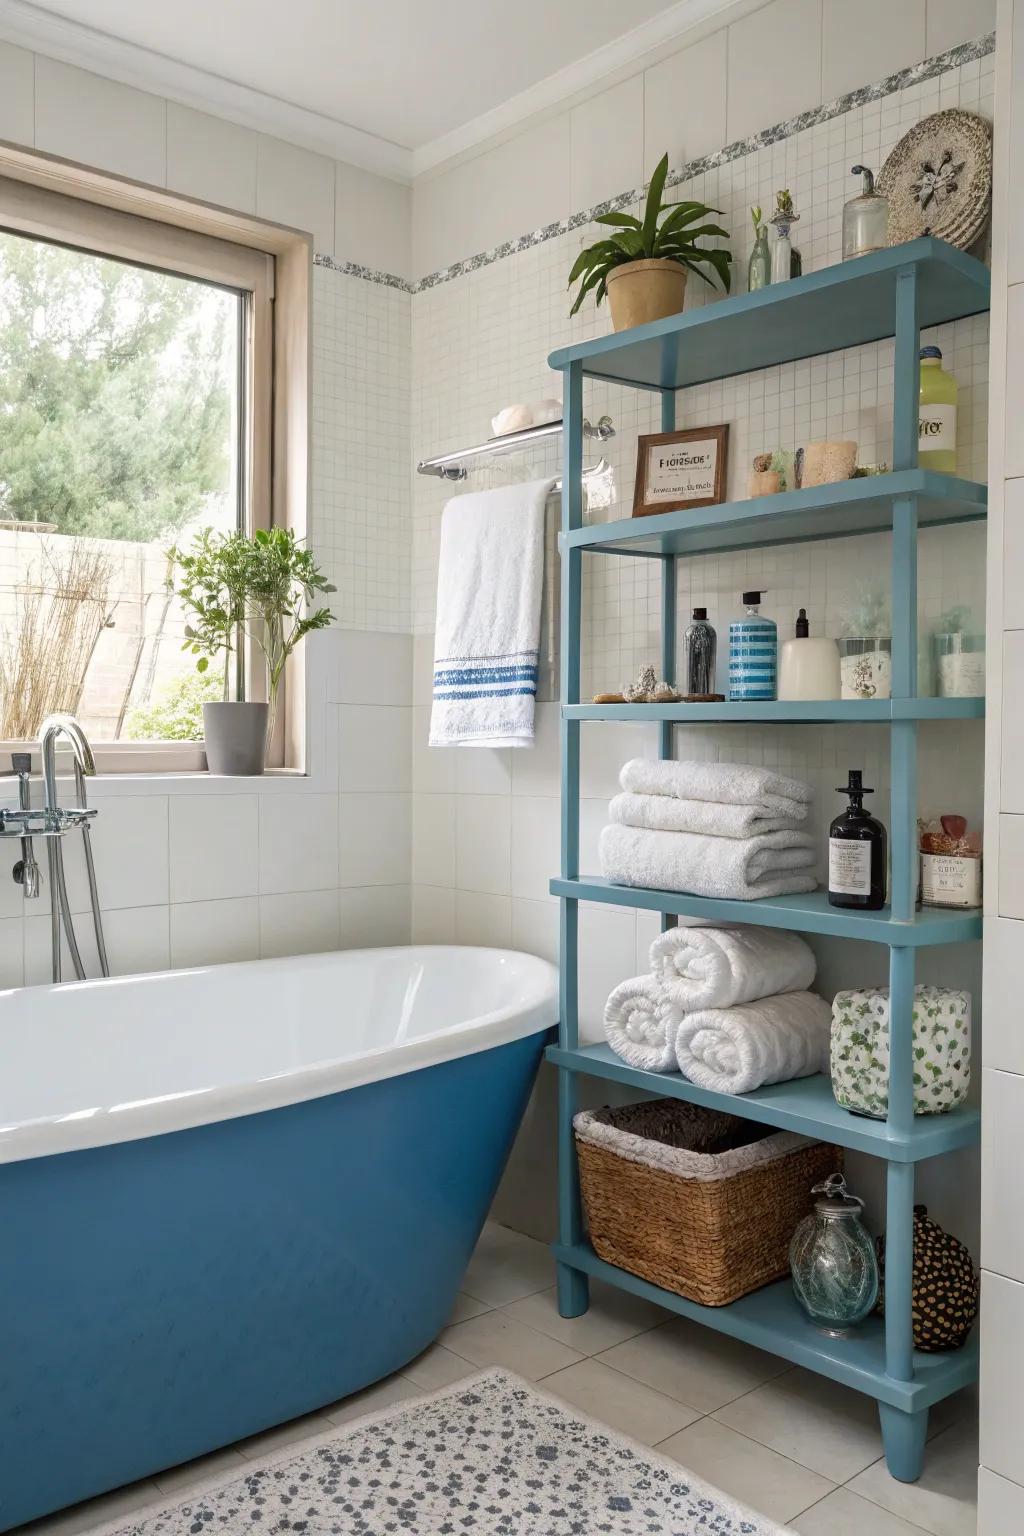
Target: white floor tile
(437,1367)
(944,1501)
(283,1435)
(466,1307)
(94,1512)
(507,1266)
(220,1463)
(618,1400)
(393,1389)
(846,1514)
(694,1364)
(825,1426)
(496,1339)
(768,1482)
(613,1316)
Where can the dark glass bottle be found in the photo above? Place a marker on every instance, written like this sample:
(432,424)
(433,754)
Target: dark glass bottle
(856,853)
(699,646)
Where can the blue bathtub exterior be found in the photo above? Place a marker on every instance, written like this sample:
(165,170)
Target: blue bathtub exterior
(163,1297)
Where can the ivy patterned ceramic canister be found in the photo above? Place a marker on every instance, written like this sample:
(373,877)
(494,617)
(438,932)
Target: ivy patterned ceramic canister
(832,1257)
(860,1050)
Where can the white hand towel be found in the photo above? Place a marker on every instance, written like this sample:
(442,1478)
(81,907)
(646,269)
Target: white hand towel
(735,868)
(640,1021)
(489,585)
(735,1050)
(663,813)
(720,967)
(722,783)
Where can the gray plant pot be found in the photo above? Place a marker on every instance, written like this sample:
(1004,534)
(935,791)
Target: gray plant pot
(236,738)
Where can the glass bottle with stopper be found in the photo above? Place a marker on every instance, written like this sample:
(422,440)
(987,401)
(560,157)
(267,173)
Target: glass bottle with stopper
(856,852)
(865,218)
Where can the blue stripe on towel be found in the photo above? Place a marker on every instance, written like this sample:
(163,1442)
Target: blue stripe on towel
(486,693)
(521,674)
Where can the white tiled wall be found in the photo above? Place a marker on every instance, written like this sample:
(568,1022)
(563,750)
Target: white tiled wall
(1001,1488)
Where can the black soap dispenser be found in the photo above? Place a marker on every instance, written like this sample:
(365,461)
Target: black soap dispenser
(856,853)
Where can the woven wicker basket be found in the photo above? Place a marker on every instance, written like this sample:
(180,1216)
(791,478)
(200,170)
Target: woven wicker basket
(698,1202)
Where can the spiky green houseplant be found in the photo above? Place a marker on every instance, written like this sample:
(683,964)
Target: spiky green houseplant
(667,231)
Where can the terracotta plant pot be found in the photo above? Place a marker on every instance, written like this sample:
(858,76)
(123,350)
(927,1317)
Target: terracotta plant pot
(640,291)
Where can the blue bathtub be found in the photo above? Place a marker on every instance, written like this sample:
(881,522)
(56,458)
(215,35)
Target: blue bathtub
(235,1195)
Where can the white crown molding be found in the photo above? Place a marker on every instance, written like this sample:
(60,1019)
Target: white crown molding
(578,79)
(72,43)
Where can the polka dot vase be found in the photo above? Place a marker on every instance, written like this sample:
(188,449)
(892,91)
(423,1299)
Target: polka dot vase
(860,1050)
(946,1286)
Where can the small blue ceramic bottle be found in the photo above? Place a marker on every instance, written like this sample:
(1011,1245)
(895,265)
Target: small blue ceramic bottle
(753,649)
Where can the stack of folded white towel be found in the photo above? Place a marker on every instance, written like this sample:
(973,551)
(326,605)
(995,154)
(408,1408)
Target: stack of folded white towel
(711,829)
(727,1007)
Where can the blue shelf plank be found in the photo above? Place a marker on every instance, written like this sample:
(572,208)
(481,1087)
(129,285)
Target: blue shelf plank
(790,517)
(785,712)
(845,305)
(800,914)
(804,1105)
(771,1319)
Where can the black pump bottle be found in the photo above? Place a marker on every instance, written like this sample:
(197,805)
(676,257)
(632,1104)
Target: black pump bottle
(856,853)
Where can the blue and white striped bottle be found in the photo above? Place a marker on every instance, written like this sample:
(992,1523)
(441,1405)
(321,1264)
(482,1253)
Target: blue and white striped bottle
(753,648)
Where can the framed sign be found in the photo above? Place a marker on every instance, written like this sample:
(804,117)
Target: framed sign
(675,470)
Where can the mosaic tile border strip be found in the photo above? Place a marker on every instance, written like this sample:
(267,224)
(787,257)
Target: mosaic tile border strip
(965,53)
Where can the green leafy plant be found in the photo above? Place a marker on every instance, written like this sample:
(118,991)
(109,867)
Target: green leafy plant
(177,714)
(755,218)
(666,231)
(233,585)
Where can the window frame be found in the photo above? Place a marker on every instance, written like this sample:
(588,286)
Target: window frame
(51,199)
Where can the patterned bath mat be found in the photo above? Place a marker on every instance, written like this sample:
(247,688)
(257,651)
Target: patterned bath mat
(489,1456)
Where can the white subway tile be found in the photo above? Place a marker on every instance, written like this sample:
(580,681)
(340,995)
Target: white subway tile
(536,828)
(607,144)
(137,941)
(433,840)
(433,768)
(535,928)
(298,843)
(482,919)
(17,94)
(373,221)
(210,158)
(214,932)
(214,846)
(376,837)
(684,103)
(483,826)
(1011,744)
(1002,1039)
(951,22)
(1014,466)
(375,916)
(483,770)
(371,667)
(774,65)
(850,51)
(12,971)
(537,769)
(607,956)
(1002,1369)
(375,745)
(303,923)
(130,851)
(1011,866)
(1002,1241)
(296,187)
(98,122)
(433,915)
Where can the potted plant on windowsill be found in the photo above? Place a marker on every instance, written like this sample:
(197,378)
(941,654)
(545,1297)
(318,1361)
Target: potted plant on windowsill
(643,267)
(233,586)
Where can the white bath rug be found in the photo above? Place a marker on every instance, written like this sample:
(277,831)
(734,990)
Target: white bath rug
(490,1456)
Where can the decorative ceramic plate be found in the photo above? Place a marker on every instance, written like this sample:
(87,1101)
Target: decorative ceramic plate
(938,179)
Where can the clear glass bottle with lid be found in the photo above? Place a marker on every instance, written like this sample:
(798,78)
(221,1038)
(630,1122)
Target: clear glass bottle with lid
(832,1257)
(865,218)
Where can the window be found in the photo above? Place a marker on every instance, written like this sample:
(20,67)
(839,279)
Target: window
(137,378)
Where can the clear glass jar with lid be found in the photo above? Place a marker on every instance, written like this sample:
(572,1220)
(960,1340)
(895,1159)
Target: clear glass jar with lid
(865,218)
(832,1257)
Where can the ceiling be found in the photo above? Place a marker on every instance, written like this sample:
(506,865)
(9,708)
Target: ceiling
(420,77)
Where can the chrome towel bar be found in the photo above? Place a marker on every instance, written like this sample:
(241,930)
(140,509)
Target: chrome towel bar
(449,466)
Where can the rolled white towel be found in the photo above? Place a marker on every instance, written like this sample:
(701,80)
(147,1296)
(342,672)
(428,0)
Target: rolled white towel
(721,783)
(735,1050)
(720,967)
(664,813)
(738,869)
(640,1021)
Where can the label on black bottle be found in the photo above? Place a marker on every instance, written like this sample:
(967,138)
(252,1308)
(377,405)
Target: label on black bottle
(849,867)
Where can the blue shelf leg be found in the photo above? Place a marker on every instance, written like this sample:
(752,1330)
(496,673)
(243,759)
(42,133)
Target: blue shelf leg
(904,1436)
(669,585)
(573,1285)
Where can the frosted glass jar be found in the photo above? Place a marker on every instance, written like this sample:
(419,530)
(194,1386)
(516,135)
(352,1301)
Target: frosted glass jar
(833,1261)
(865,667)
(959,666)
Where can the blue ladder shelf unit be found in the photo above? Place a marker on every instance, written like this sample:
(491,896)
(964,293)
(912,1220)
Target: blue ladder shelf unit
(894,293)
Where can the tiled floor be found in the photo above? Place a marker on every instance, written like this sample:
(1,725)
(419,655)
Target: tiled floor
(794,1446)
